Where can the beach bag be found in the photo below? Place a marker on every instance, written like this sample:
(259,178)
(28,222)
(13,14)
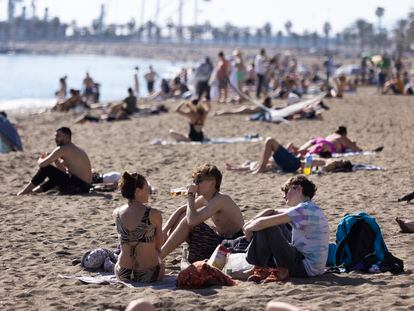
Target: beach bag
(360,245)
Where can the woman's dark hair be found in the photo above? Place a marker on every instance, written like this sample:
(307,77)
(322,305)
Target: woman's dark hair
(129,183)
(308,187)
(267,102)
(341,131)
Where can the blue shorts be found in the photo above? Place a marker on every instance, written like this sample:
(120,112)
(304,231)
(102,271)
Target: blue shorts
(286,160)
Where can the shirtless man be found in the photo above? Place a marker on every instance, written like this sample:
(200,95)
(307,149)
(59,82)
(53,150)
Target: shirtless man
(150,77)
(72,170)
(187,222)
(88,85)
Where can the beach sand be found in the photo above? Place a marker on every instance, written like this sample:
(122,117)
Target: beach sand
(42,234)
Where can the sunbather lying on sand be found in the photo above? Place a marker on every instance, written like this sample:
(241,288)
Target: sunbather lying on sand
(337,142)
(275,155)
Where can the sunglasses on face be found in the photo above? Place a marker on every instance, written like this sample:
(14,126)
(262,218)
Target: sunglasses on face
(197,181)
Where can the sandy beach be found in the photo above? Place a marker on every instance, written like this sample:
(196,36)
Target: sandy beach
(43,234)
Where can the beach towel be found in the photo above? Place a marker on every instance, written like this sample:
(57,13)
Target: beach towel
(351,154)
(104,278)
(212,141)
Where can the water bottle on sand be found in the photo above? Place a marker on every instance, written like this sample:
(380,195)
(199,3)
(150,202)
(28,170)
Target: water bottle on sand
(182,191)
(307,170)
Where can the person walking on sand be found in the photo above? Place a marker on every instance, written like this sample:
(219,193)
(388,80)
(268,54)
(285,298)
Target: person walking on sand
(187,223)
(61,93)
(202,77)
(150,77)
(88,86)
(301,252)
(260,68)
(136,81)
(222,75)
(71,171)
(139,231)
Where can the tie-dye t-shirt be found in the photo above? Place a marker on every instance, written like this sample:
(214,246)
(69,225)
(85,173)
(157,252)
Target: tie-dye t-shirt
(310,235)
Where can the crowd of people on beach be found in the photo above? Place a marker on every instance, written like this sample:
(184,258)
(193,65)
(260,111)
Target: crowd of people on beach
(278,243)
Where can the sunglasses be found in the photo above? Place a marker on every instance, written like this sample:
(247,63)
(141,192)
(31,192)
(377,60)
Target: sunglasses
(197,181)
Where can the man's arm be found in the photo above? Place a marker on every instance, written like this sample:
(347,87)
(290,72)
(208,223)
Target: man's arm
(179,109)
(172,221)
(195,217)
(55,155)
(264,223)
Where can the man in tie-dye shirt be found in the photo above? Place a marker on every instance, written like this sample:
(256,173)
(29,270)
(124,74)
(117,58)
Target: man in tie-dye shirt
(304,249)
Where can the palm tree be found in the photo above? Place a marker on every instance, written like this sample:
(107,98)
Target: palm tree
(288,27)
(379,11)
(267,28)
(326,30)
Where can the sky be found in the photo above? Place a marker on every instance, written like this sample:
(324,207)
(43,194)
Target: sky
(304,14)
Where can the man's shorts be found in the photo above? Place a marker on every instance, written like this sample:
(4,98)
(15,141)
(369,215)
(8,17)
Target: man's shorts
(203,240)
(286,160)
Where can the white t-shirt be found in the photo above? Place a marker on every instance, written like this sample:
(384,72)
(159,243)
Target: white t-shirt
(310,235)
(259,64)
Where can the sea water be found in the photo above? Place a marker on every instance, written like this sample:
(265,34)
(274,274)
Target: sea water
(30,81)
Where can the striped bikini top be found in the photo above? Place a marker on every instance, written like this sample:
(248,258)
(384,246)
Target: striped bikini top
(144,232)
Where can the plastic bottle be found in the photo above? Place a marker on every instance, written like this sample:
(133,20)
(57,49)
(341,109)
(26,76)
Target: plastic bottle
(307,170)
(178,192)
(184,260)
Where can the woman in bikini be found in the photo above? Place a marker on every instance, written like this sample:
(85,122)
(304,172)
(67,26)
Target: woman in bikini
(197,114)
(139,229)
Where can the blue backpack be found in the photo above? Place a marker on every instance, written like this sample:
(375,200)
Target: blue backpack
(359,237)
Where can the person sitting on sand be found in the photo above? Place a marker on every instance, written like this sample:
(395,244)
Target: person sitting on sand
(74,101)
(187,223)
(123,110)
(406,226)
(197,113)
(275,155)
(337,142)
(304,250)
(245,109)
(139,230)
(71,171)
(395,84)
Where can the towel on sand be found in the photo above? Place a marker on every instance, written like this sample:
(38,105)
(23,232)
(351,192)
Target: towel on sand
(167,282)
(216,140)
